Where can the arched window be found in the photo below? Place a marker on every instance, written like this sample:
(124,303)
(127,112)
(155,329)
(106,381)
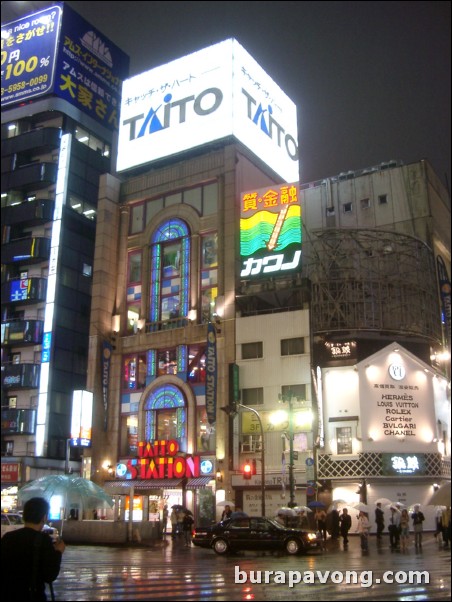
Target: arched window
(170,271)
(165,415)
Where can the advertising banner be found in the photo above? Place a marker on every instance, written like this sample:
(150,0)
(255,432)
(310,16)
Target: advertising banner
(55,51)
(211,374)
(270,232)
(212,94)
(29,47)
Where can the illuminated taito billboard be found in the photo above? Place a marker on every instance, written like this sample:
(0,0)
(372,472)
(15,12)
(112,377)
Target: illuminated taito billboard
(270,232)
(213,94)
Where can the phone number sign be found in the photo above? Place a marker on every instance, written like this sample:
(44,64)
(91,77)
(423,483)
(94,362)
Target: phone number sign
(28,51)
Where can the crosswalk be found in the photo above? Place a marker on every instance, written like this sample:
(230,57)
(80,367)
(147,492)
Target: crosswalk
(173,572)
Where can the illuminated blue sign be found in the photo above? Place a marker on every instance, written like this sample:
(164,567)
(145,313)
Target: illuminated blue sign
(28,55)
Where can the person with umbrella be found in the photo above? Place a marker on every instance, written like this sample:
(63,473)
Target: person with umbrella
(30,559)
(173,519)
(187,526)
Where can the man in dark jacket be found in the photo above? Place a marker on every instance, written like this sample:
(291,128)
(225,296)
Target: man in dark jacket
(29,558)
(345,521)
(380,520)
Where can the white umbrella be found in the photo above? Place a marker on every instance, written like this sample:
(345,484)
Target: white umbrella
(225,503)
(286,512)
(361,506)
(383,500)
(302,509)
(392,507)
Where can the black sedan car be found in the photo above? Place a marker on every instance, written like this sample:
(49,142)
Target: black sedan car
(255,533)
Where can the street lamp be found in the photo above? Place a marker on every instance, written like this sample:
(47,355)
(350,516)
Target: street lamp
(289,399)
(231,411)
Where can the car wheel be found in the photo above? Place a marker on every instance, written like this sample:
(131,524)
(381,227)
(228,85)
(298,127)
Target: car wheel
(220,546)
(293,546)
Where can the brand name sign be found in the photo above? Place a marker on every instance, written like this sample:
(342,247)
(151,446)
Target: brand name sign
(210,95)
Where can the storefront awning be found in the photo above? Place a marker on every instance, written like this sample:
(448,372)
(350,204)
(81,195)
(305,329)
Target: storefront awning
(142,484)
(199,482)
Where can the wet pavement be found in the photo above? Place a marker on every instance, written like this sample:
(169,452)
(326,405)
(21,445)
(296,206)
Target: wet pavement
(170,571)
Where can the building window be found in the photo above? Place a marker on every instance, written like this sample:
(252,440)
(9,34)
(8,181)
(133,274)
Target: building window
(382,199)
(7,447)
(136,218)
(197,364)
(167,361)
(134,373)
(170,261)
(129,435)
(296,391)
(330,211)
(253,397)
(292,346)
(365,203)
(165,415)
(209,275)
(347,207)
(206,440)
(134,268)
(251,351)
(344,440)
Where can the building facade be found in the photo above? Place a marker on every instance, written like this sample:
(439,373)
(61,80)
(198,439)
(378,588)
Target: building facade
(375,243)
(58,129)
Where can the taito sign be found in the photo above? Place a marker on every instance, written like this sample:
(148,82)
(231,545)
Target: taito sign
(159,460)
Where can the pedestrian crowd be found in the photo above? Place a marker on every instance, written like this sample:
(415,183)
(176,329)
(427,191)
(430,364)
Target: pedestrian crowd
(401,523)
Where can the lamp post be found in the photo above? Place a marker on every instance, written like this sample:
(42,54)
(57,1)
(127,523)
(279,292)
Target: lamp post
(232,412)
(289,399)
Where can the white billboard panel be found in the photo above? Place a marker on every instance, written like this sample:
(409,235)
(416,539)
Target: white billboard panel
(209,95)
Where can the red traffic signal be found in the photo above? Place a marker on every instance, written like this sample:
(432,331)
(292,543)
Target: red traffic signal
(247,471)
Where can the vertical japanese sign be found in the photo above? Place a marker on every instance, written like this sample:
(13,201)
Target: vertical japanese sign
(28,52)
(211,374)
(270,231)
(105,372)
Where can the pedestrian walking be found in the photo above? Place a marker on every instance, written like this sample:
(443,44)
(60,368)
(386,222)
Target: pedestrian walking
(418,519)
(187,526)
(404,529)
(380,521)
(173,519)
(321,522)
(345,524)
(164,520)
(363,530)
(394,529)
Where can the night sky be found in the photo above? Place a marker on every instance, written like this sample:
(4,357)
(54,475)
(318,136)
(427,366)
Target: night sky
(371,80)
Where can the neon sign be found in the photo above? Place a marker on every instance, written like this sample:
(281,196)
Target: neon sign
(159,460)
(270,231)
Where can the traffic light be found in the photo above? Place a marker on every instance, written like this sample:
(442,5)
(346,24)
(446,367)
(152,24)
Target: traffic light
(247,470)
(253,466)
